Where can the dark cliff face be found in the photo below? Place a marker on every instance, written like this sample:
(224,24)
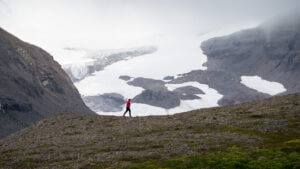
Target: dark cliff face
(32,85)
(271,51)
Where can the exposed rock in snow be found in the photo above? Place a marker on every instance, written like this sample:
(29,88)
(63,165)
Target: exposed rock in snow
(147,83)
(169,78)
(108,102)
(124,77)
(159,98)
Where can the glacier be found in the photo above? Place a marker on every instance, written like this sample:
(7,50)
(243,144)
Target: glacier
(96,60)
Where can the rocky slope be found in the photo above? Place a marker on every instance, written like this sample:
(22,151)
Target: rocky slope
(32,85)
(269,128)
(271,51)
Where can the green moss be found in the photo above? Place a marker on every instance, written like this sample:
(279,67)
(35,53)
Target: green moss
(240,110)
(136,159)
(45,145)
(192,145)
(96,165)
(262,159)
(294,120)
(294,141)
(66,151)
(273,139)
(205,129)
(246,131)
(293,126)
(157,146)
(31,160)
(35,153)
(258,116)
(73,133)
(136,148)
(71,126)
(9,151)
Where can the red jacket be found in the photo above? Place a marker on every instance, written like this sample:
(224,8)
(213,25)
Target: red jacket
(128,104)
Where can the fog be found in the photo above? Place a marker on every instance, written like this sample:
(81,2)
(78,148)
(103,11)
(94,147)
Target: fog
(117,23)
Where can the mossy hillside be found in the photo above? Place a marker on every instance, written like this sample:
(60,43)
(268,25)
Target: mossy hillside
(278,158)
(200,138)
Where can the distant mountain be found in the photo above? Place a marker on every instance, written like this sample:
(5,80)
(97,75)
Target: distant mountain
(271,51)
(32,86)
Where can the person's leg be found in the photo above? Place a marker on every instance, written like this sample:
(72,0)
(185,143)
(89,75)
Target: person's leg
(129,112)
(125,112)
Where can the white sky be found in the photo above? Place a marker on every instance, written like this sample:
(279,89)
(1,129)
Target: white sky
(116,23)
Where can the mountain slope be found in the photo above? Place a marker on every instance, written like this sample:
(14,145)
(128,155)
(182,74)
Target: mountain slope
(93,141)
(32,85)
(271,51)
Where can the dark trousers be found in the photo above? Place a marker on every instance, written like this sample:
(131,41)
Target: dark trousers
(127,109)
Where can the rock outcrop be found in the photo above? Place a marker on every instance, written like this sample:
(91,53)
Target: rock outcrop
(32,85)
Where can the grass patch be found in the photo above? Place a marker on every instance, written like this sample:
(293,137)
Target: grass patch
(157,146)
(96,165)
(71,126)
(45,145)
(240,110)
(294,120)
(136,148)
(35,153)
(258,116)
(293,142)
(262,159)
(9,151)
(66,151)
(73,133)
(136,159)
(192,145)
(31,160)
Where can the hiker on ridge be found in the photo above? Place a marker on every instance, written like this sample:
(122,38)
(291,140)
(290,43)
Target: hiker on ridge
(127,108)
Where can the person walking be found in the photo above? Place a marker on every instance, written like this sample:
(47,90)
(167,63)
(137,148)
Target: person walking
(127,108)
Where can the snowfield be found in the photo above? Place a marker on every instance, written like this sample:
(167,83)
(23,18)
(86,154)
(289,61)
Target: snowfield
(261,85)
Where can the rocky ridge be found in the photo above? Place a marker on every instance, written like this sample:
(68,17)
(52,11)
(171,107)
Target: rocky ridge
(32,86)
